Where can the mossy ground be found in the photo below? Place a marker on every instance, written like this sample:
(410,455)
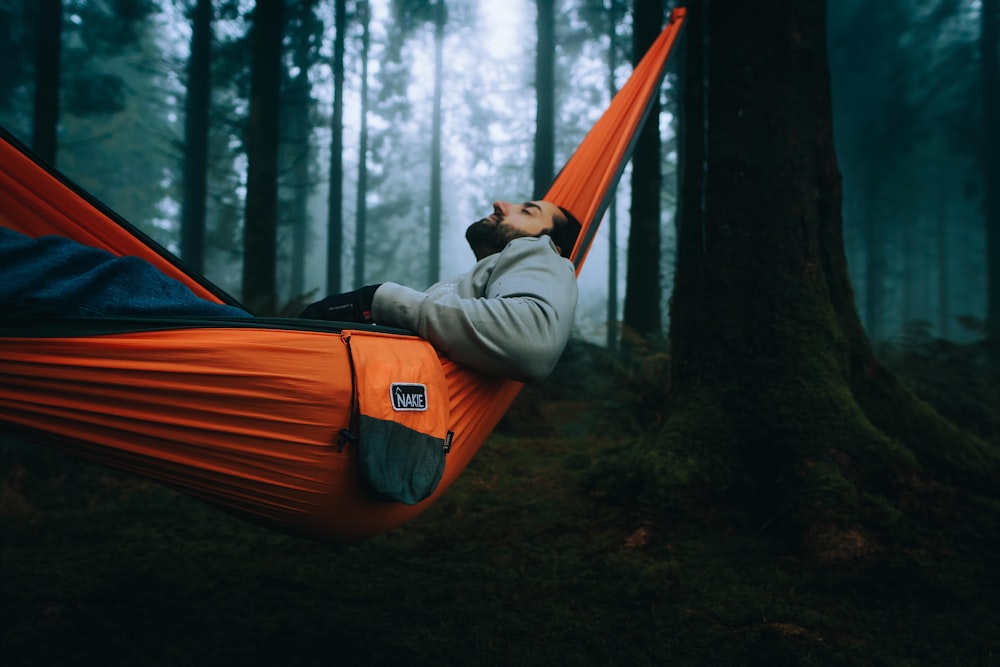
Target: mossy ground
(520,563)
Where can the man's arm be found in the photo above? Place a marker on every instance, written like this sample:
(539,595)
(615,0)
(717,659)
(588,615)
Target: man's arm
(517,329)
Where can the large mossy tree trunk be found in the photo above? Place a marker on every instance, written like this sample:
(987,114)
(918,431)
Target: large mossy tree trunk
(777,402)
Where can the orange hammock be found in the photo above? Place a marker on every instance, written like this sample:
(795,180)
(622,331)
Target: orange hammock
(246,414)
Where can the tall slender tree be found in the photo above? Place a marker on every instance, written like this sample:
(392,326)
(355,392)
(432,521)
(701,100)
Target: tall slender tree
(545,96)
(17,72)
(261,213)
(434,260)
(612,221)
(44,139)
(196,113)
(943,247)
(643,290)
(361,214)
(991,158)
(305,30)
(335,206)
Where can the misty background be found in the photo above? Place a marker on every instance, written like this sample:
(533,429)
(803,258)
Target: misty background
(440,96)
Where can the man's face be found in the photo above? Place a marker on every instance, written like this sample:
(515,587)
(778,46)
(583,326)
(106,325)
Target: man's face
(510,221)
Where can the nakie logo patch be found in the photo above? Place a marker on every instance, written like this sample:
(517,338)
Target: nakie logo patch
(408,397)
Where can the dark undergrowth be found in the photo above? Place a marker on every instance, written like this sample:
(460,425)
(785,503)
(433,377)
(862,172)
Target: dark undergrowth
(518,564)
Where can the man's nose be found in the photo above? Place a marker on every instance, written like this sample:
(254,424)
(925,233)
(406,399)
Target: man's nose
(500,208)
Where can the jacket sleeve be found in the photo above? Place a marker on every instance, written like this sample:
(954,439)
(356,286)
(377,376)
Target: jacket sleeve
(517,329)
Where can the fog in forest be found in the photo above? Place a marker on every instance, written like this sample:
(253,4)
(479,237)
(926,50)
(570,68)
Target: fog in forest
(907,108)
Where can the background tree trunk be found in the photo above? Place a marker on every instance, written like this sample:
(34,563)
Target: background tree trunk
(305,35)
(777,401)
(942,235)
(261,215)
(875,260)
(434,259)
(611,340)
(361,215)
(335,212)
(991,160)
(642,288)
(545,87)
(196,108)
(44,140)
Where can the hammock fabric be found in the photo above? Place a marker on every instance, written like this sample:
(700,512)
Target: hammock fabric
(246,414)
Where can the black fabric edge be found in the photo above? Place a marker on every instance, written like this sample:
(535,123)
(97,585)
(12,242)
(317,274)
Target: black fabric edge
(62,327)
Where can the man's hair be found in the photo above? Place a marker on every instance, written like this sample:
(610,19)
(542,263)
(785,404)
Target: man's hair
(565,229)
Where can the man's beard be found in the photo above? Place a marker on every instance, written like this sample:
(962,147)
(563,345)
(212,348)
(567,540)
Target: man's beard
(486,237)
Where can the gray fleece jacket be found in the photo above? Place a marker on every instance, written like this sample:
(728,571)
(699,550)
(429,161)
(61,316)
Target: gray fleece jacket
(511,315)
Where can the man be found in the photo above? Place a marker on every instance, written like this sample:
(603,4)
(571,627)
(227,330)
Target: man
(511,315)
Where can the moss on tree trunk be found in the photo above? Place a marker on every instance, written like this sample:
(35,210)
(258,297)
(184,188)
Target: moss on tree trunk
(777,401)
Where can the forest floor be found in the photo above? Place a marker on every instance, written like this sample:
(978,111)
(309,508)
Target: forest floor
(517,564)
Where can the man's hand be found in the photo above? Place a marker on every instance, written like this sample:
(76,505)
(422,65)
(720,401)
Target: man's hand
(353,306)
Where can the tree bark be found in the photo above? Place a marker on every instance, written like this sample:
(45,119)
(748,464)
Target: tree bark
(44,140)
(777,401)
(196,108)
(643,290)
(261,215)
